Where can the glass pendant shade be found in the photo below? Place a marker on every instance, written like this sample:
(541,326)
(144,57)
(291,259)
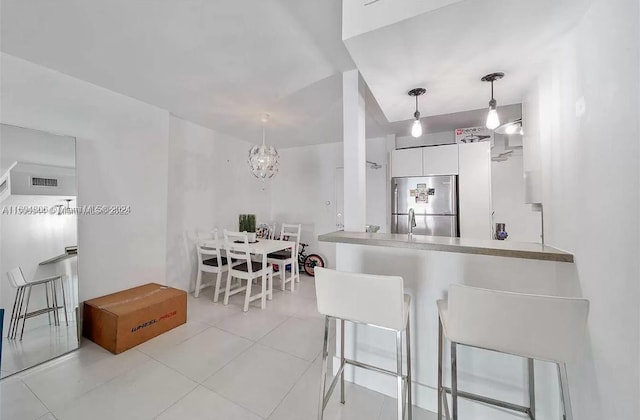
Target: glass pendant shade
(416,129)
(263,160)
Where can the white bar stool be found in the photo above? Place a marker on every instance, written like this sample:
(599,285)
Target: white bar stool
(547,328)
(381,303)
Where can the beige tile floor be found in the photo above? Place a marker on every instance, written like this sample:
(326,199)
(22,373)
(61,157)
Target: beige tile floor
(223,364)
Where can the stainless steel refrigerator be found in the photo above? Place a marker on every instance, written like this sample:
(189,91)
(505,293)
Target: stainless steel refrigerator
(434,200)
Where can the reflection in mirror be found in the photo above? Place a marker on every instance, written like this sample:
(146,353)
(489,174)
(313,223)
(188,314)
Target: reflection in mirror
(38,247)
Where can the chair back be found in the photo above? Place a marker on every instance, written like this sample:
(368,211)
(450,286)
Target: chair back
(16,277)
(370,299)
(541,327)
(236,245)
(272,231)
(291,232)
(208,246)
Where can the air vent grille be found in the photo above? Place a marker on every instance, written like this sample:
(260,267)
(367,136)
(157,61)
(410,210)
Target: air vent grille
(3,186)
(44,182)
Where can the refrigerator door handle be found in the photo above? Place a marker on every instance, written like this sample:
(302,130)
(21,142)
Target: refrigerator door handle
(395,199)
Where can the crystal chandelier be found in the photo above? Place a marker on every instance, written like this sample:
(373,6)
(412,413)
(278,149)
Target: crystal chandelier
(263,159)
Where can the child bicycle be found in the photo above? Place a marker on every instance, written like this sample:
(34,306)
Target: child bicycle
(306,262)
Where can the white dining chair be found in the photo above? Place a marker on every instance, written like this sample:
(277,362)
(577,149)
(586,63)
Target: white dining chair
(381,303)
(535,327)
(20,309)
(289,232)
(210,260)
(243,268)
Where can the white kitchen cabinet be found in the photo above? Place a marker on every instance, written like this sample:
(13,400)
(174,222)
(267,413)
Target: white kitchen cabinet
(474,190)
(406,162)
(440,160)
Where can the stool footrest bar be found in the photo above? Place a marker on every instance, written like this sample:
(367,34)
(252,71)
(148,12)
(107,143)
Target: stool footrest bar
(374,368)
(491,401)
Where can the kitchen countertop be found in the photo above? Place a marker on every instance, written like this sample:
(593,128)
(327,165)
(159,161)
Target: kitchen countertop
(527,250)
(58,258)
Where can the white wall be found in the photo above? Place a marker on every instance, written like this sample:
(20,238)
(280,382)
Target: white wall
(122,159)
(209,185)
(507,200)
(588,97)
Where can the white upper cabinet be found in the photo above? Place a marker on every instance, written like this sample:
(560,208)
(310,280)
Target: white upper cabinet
(406,162)
(440,160)
(424,161)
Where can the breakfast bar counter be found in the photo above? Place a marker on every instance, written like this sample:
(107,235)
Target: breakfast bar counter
(527,250)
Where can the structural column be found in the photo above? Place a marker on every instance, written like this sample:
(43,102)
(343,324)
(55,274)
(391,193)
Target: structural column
(354,137)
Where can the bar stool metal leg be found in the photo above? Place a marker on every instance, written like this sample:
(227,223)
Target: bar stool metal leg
(532,389)
(64,302)
(26,310)
(46,293)
(13,311)
(16,322)
(441,393)
(454,382)
(409,386)
(400,378)
(342,360)
(325,355)
(564,391)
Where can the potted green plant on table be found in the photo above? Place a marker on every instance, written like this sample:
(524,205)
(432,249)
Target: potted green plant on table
(247,223)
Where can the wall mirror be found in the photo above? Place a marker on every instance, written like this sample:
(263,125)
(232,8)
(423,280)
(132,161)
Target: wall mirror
(38,247)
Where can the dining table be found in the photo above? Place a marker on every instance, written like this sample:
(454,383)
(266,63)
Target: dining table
(261,247)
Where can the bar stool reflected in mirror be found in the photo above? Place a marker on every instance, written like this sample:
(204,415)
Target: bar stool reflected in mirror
(381,303)
(536,327)
(20,310)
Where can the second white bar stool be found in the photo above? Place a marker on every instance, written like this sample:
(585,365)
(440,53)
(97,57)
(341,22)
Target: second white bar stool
(547,328)
(377,301)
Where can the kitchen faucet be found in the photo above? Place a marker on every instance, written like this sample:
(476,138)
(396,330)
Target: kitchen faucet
(412,221)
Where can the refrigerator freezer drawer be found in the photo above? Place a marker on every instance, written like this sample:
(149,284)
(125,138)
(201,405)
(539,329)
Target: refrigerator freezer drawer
(426,225)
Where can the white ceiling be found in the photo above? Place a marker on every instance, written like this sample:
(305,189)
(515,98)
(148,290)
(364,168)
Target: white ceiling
(223,63)
(218,63)
(449,49)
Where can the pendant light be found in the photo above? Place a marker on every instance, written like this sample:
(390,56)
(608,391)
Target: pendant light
(416,128)
(493,120)
(263,159)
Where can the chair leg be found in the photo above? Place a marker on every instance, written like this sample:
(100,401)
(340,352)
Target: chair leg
(196,293)
(26,311)
(247,295)
(532,389)
(399,375)
(409,384)
(216,292)
(454,382)
(64,302)
(341,360)
(263,293)
(227,289)
(270,297)
(283,277)
(564,391)
(440,354)
(323,376)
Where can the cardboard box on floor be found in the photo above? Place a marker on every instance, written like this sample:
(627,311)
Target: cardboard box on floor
(125,319)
